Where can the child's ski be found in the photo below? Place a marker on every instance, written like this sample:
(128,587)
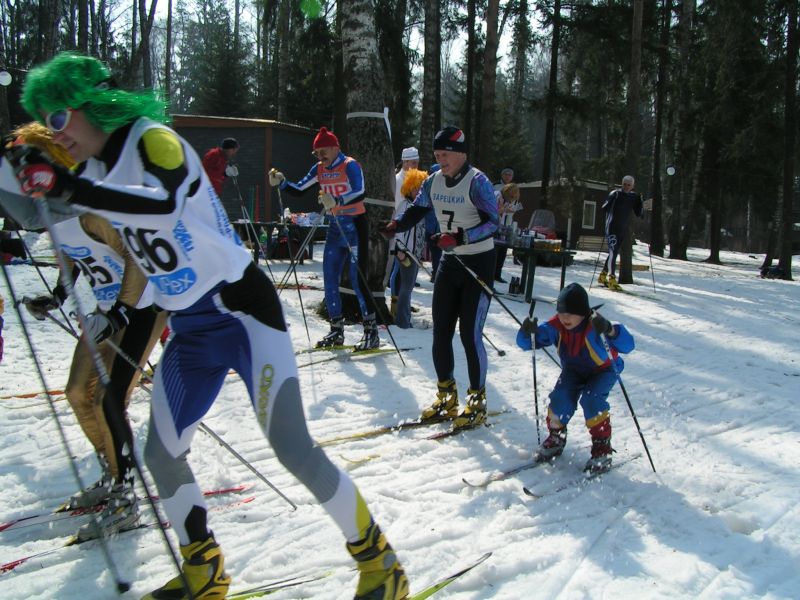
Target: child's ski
(499,476)
(584,479)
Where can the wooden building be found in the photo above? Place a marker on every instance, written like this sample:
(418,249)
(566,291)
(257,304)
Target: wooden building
(576,206)
(263,144)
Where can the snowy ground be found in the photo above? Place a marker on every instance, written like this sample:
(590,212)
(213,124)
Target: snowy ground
(715,381)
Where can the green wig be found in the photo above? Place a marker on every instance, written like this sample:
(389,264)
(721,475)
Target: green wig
(72,80)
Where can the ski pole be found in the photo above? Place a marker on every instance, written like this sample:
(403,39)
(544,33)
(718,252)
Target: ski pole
(365,283)
(652,272)
(494,295)
(535,383)
(205,428)
(121,586)
(42,277)
(424,268)
(294,270)
(117,419)
(250,228)
(264,252)
(596,262)
(294,259)
(625,393)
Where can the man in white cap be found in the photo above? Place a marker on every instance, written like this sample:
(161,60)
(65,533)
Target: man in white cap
(410,158)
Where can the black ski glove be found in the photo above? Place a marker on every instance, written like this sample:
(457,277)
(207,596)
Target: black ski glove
(600,324)
(530,327)
(41,305)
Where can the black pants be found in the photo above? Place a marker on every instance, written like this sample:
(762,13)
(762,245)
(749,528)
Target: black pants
(136,343)
(458,298)
(501,251)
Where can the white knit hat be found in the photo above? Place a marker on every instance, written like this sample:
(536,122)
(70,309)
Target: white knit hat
(410,154)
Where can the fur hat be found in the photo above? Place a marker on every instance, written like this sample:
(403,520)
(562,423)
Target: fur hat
(325,139)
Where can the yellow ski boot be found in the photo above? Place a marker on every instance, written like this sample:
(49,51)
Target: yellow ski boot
(602,279)
(612,284)
(475,412)
(381,577)
(204,570)
(446,404)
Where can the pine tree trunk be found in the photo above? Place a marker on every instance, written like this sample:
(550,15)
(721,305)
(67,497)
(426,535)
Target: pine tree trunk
(634,136)
(677,249)
(168,56)
(5,119)
(83,27)
(550,118)
(430,82)
(368,142)
(657,222)
(484,154)
(521,43)
(789,140)
(283,58)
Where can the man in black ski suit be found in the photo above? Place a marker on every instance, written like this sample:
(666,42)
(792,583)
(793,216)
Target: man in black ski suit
(618,208)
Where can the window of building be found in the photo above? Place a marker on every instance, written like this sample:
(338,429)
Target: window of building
(589,213)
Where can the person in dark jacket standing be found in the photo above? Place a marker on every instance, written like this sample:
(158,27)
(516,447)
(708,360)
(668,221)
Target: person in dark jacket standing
(618,208)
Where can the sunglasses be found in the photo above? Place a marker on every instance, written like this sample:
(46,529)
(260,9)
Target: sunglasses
(58,120)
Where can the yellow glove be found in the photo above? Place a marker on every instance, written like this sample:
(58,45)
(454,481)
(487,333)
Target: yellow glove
(275,177)
(327,200)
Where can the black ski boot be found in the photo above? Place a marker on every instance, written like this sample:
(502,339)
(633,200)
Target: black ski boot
(335,336)
(370,340)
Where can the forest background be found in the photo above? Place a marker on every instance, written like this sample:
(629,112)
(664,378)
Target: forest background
(561,91)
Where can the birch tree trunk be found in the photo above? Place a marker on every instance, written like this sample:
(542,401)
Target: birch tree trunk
(368,141)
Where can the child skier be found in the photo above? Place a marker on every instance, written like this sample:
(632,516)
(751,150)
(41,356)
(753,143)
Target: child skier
(587,374)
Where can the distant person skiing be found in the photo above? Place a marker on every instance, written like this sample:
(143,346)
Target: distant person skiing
(618,208)
(587,375)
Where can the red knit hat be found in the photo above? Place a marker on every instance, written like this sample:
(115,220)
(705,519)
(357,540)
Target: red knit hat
(325,139)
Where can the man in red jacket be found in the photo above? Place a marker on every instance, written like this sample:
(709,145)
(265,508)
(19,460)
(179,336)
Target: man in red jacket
(217,163)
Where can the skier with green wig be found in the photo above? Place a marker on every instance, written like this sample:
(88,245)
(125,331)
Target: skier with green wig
(225,313)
